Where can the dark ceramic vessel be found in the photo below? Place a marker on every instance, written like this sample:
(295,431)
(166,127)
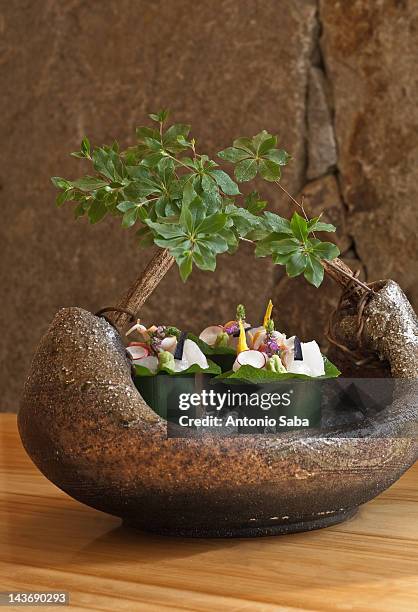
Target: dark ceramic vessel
(86,427)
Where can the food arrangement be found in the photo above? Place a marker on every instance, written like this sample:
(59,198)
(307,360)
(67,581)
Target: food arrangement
(261,348)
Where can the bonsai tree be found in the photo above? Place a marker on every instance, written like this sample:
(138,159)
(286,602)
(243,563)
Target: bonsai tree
(192,208)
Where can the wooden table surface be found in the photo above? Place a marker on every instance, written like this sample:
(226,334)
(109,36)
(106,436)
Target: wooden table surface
(50,542)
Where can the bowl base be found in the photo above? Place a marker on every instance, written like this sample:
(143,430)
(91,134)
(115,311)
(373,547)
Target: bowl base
(318,521)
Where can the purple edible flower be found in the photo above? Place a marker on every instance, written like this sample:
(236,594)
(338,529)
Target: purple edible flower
(232,329)
(272,348)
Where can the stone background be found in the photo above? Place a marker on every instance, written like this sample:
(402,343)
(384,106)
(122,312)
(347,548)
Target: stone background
(337,80)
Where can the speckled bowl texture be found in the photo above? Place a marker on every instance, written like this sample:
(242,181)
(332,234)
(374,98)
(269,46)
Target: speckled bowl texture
(86,427)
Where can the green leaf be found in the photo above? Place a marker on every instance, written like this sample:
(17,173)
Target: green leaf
(314,272)
(161,116)
(213,368)
(267,145)
(178,246)
(243,221)
(217,244)
(225,182)
(60,183)
(173,132)
(315,225)
(97,211)
(107,162)
(64,196)
(212,224)
(130,217)
(261,138)
(299,227)
(269,170)
(244,143)
(89,183)
(264,246)
(280,259)
(245,170)
(208,184)
(146,132)
(278,156)
(277,223)
(166,230)
(85,146)
(185,266)
(254,204)
(283,247)
(296,264)
(324,250)
(249,374)
(189,193)
(233,155)
(125,206)
(203,257)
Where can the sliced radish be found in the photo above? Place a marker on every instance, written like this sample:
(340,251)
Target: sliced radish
(143,344)
(138,351)
(250,357)
(192,354)
(169,344)
(312,363)
(210,334)
(151,363)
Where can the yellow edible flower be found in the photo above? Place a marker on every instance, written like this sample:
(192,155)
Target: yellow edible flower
(267,316)
(242,340)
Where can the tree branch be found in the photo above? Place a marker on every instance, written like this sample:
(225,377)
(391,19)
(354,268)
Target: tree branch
(143,286)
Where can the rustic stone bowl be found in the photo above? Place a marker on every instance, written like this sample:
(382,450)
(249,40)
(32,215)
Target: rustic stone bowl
(86,427)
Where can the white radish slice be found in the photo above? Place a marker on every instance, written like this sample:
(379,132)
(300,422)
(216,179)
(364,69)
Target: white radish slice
(169,344)
(137,352)
(150,362)
(250,357)
(312,363)
(180,365)
(313,358)
(192,354)
(210,334)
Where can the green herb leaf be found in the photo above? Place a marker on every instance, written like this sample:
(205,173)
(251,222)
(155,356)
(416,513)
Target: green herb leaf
(249,374)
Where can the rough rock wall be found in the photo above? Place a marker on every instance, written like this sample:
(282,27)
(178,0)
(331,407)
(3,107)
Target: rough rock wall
(336,80)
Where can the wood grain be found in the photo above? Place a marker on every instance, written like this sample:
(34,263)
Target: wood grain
(48,541)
